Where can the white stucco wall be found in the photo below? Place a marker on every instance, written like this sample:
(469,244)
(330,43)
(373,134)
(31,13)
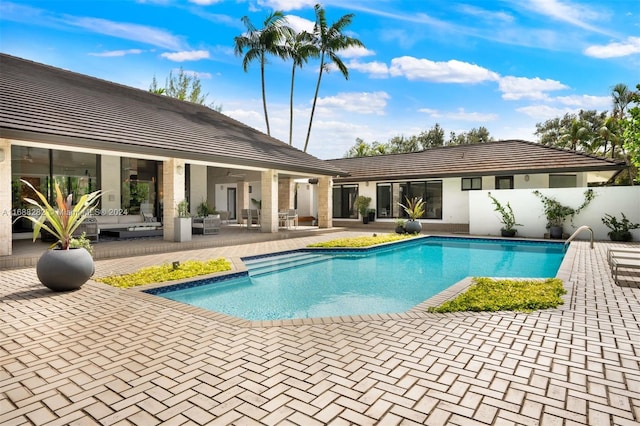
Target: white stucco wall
(198,187)
(307,201)
(528,210)
(110,180)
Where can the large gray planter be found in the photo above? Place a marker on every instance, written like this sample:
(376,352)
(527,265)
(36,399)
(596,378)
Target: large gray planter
(182,229)
(65,270)
(412,227)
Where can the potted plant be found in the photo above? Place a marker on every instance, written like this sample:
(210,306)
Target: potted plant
(400,226)
(507,217)
(372,215)
(204,210)
(66,265)
(557,213)
(362,205)
(619,229)
(415,208)
(182,223)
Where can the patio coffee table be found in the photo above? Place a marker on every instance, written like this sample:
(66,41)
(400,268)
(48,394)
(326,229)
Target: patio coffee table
(133,232)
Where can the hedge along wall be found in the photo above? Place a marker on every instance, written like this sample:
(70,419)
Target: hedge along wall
(528,210)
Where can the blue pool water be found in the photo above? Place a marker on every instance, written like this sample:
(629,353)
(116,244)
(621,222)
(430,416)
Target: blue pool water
(393,279)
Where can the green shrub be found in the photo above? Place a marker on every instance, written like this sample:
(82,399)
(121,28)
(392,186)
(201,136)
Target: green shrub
(167,272)
(364,241)
(491,295)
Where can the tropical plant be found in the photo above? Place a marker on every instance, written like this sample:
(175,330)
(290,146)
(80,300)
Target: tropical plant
(631,130)
(258,43)
(62,221)
(572,136)
(183,209)
(414,207)
(619,228)
(507,217)
(299,47)
(557,213)
(204,210)
(185,86)
(362,204)
(82,242)
(329,41)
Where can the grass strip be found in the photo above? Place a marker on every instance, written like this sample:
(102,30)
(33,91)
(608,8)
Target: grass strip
(166,272)
(486,294)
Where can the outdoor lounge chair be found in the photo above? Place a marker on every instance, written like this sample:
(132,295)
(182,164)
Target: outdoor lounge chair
(622,259)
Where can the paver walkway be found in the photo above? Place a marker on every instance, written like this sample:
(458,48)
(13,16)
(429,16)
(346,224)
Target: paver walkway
(106,356)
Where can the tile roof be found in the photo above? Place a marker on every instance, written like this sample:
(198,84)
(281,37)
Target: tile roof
(491,158)
(46,104)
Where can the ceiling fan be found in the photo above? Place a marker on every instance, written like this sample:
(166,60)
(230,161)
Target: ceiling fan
(236,175)
(27,157)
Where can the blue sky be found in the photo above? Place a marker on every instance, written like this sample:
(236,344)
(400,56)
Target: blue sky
(502,64)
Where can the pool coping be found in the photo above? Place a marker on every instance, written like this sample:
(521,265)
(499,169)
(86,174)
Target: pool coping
(417,311)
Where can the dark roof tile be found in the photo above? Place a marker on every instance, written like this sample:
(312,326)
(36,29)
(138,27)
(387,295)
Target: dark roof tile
(52,105)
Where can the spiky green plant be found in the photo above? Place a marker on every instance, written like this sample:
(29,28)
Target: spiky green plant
(61,222)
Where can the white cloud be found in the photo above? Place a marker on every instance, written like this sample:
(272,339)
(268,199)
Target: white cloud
(358,102)
(585,101)
(205,2)
(356,52)
(452,71)
(286,5)
(572,13)
(615,50)
(200,75)
(299,24)
(460,114)
(544,112)
(374,69)
(127,31)
(115,53)
(192,55)
(515,88)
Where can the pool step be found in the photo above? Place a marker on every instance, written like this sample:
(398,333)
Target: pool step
(269,264)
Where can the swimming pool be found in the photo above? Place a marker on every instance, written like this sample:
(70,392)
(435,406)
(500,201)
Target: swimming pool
(322,283)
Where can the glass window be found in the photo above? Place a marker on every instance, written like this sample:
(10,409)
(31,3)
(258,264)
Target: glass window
(471,183)
(139,186)
(563,181)
(383,200)
(429,191)
(344,199)
(504,182)
(75,172)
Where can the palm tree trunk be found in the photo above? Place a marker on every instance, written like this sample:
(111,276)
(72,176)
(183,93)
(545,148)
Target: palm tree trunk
(293,75)
(264,95)
(315,98)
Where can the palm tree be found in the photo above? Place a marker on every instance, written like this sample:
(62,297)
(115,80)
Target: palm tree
(300,48)
(260,42)
(576,133)
(610,132)
(330,40)
(622,96)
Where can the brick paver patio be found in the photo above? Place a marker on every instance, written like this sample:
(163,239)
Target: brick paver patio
(107,356)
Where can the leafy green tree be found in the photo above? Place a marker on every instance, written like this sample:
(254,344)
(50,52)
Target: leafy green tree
(330,40)
(631,130)
(432,138)
(299,47)
(573,135)
(399,144)
(473,136)
(256,44)
(359,149)
(183,86)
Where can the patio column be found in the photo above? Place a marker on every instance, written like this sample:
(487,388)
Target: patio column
(286,193)
(325,202)
(243,198)
(5,197)
(173,190)
(269,214)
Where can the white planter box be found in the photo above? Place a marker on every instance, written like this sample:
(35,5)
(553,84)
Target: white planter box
(182,229)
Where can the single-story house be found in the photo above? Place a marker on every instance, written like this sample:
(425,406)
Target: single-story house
(444,176)
(147,152)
